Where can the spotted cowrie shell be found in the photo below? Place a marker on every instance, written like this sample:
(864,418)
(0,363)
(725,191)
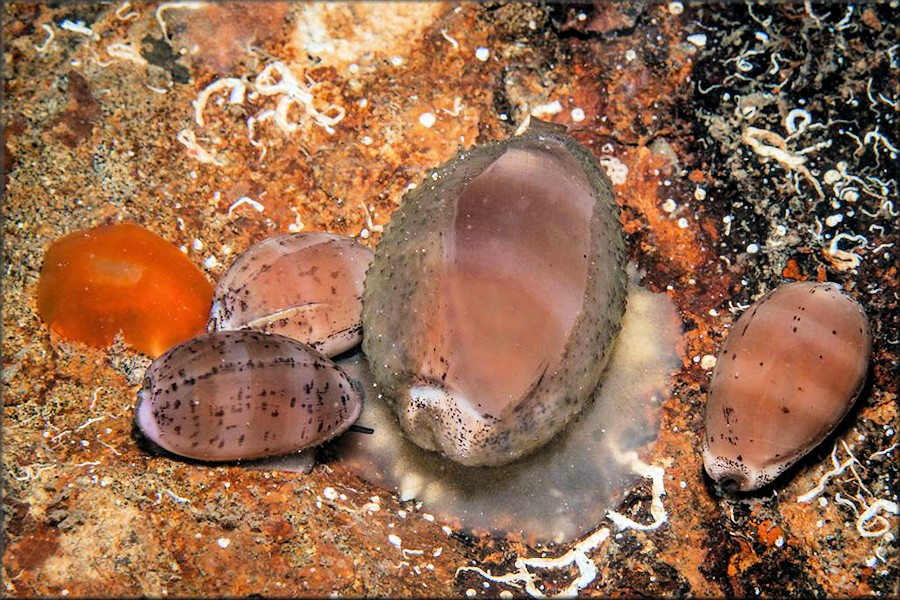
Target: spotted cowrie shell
(231,395)
(790,370)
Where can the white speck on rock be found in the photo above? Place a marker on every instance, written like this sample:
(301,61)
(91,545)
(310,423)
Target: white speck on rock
(546,110)
(427,119)
(698,39)
(833,220)
(707,362)
(615,169)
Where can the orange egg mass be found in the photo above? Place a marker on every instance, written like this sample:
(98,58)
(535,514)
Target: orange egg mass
(98,282)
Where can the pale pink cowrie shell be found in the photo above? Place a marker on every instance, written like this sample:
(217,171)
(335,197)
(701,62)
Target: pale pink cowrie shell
(790,370)
(307,286)
(232,395)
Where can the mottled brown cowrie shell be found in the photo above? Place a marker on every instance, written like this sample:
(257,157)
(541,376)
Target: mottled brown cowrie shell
(233,395)
(789,371)
(307,286)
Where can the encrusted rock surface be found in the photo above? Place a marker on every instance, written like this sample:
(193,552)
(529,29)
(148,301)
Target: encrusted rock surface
(749,145)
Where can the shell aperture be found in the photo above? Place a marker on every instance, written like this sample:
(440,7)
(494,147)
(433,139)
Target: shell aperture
(788,373)
(495,296)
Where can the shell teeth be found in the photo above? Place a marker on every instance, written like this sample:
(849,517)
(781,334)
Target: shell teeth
(443,421)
